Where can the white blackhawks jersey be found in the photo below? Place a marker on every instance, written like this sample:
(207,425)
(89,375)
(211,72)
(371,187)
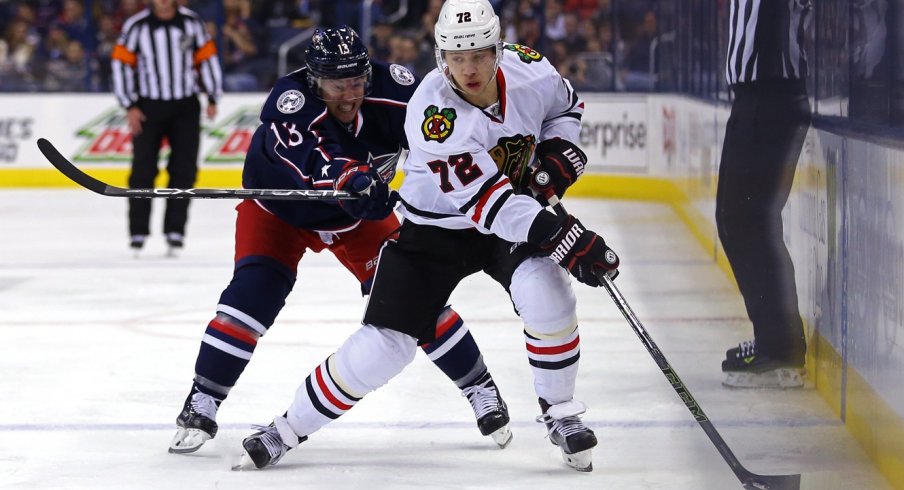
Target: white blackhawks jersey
(462,157)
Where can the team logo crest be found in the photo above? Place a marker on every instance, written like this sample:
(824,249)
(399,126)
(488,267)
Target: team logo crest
(438,124)
(185,42)
(401,75)
(290,101)
(512,156)
(527,54)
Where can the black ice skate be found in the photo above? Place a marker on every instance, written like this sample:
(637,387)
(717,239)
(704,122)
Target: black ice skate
(174,242)
(568,432)
(745,367)
(489,409)
(267,446)
(136,243)
(197,423)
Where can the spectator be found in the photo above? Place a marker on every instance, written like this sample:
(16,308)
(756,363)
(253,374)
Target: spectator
(380,35)
(74,22)
(299,14)
(53,46)
(583,8)
(17,50)
(573,39)
(428,21)
(107,34)
(240,47)
(70,73)
(527,30)
(637,56)
(403,51)
(555,20)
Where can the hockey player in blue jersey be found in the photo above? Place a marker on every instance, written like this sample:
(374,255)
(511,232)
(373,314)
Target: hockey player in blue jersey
(337,123)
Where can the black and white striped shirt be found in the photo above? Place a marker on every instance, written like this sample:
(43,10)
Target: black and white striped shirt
(165,60)
(765,40)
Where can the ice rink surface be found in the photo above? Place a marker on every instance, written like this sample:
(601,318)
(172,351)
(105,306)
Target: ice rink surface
(98,352)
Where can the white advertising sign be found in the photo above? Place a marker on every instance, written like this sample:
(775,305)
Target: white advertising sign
(615,133)
(91,128)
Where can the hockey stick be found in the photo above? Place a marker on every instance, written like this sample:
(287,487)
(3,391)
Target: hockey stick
(751,481)
(81,178)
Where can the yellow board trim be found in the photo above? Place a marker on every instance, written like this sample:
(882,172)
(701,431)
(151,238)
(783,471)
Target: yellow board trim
(872,422)
(228,178)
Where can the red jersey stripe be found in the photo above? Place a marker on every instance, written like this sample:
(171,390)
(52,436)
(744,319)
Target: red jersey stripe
(478,210)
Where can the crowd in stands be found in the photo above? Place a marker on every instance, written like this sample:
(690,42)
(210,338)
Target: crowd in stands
(65,45)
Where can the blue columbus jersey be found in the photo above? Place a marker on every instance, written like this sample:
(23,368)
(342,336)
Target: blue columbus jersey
(300,146)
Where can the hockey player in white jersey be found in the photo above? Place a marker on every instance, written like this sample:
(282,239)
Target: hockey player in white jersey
(474,126)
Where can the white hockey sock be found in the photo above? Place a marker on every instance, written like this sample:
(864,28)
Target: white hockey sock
(367,360)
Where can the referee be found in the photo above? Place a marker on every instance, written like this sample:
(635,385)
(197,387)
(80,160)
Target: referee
(160,63)
(770,114)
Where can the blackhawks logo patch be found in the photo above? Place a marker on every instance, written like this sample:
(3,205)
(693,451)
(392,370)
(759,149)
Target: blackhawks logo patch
(438,124)
(527,54)
(512,156)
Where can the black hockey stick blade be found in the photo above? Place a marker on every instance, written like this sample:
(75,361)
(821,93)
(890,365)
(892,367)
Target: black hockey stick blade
(772,482)
(81,178)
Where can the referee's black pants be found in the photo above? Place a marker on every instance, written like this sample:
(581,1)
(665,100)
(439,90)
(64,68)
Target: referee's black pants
(180,122)
(763,140)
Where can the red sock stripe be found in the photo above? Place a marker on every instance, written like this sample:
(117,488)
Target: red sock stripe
(444,327)
(233,331)
(555,349)
(326,391)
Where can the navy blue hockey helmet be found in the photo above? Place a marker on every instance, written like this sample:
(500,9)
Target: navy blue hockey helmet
(335,54)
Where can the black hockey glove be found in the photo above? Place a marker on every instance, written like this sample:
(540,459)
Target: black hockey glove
(575,248)
(561,162)
(377,200)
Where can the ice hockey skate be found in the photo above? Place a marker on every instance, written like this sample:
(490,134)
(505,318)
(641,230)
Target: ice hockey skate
(136,243)
(745,367)
(267,446)
(197,424)
(490,410)
(174,243)
(568,432)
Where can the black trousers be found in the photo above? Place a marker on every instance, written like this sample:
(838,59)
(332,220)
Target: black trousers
(763,140)
(180,122)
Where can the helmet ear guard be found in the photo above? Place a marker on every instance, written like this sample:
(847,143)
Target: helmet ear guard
(336,54)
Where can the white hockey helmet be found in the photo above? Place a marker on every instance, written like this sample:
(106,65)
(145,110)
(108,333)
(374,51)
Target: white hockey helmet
(466,25)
